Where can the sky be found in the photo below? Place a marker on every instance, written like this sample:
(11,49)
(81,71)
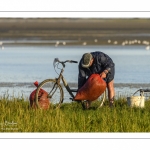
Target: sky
(75,8)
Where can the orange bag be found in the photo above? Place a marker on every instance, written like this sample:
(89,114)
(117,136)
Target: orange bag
(92,89)
(44,102)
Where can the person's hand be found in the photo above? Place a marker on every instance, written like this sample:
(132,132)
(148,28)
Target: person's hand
(103,74)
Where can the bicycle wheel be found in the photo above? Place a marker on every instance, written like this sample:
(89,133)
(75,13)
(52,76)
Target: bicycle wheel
(54,90)
(98,103)
(102,99)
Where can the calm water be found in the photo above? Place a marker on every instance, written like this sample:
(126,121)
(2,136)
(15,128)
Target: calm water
(31,63)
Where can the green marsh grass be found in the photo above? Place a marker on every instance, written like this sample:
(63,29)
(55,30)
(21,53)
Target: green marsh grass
(16,116)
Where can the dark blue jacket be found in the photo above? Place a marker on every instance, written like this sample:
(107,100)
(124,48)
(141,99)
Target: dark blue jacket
(101,62)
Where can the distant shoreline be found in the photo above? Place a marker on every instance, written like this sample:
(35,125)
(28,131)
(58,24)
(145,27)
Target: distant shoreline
(79,31)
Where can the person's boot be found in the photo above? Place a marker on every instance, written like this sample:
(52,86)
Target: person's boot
(111,102)
(86,104)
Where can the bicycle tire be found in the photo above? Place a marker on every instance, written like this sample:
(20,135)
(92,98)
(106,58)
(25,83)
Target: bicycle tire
(96,104)
(54,90)
(102,99)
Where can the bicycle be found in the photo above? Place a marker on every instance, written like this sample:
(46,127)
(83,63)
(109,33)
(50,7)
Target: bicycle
(54,88)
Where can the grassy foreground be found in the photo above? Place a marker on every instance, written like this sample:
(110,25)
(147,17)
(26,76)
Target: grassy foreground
(15,116)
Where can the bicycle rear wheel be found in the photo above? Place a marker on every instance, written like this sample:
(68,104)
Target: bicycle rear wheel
(98,103)
(54,90)
(102,99)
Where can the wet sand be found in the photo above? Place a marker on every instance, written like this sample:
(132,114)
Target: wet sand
(25,89)
(117,85)
(78,31)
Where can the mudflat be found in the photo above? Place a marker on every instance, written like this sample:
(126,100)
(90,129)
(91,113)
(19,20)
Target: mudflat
(90,30)
(117,85)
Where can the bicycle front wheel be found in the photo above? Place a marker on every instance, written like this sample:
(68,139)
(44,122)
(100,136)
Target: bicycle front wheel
(54,90)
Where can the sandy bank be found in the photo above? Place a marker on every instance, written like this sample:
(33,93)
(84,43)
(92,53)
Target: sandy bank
(91,31)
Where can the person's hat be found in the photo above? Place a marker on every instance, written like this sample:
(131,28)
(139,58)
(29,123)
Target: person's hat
(87,57)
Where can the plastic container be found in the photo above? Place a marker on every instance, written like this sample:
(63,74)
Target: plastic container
(136,101)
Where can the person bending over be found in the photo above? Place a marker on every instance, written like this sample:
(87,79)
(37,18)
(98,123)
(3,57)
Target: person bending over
(97,63)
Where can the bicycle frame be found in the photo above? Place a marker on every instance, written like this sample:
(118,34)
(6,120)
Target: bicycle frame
(61,77)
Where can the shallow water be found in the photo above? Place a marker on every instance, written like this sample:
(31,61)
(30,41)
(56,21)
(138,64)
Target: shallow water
(21,64)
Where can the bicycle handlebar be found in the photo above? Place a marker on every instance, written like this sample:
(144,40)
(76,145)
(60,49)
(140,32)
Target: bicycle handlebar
(72,61)
(63,62)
